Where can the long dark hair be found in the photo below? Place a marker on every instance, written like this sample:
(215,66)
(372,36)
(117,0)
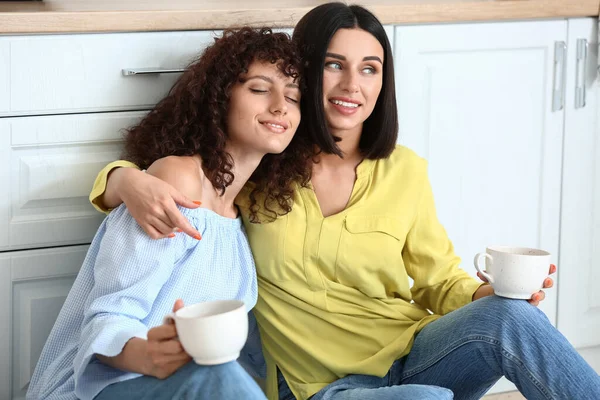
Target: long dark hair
(192,118)
(313,34)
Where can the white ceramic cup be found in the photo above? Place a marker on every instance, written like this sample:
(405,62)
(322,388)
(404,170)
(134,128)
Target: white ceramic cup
(213,332)
(514,272)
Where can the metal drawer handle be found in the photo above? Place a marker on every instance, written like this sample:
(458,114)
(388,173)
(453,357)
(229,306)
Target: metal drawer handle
(581,71)
(558,90)
(150,71)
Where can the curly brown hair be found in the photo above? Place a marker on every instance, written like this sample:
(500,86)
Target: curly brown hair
(192,119)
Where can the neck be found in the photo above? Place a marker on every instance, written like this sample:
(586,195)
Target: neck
(244,164)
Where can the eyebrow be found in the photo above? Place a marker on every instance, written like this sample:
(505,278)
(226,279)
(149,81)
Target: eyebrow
(268,79)
(341,57)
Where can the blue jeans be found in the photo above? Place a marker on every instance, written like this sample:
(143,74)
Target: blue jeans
(191,382)
(468,350)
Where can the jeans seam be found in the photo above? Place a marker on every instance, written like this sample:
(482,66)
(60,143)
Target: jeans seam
(492,341)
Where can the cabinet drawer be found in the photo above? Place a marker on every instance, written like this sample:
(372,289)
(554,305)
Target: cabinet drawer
(34,285)
(50,163)
(54,74)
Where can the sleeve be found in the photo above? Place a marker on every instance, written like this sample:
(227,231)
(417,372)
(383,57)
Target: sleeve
(439,283)
(100,182)
(129,272)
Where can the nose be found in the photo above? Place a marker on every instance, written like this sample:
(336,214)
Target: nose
(349,82)
(279,105)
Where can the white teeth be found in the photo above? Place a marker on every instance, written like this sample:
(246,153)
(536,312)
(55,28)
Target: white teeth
(344,104)
(275,126)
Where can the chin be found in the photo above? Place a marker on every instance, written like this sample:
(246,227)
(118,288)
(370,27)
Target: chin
(344,123)
(343,126)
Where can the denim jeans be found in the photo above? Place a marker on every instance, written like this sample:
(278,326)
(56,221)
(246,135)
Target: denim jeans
(468,350)
(191,382)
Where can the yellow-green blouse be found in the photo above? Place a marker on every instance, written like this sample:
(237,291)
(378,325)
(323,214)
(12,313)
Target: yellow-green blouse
(334,294)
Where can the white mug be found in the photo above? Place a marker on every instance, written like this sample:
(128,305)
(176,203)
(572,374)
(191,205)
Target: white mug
(213,332)
(514,272)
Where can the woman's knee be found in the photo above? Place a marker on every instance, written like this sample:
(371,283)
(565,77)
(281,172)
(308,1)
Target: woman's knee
(509,310)
(502,317)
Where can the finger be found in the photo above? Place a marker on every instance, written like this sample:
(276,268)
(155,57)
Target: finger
(541,295)
(552,269)
(548,283)
(481,277)
(169,347)
(165,360)
(178,304)
(534,302)
(162,332)
(177,362)
(537,297)
(179,221)
(152,231)
(184,201)
(163,228)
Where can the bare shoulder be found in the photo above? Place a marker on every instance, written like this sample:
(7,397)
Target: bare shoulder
(183,173)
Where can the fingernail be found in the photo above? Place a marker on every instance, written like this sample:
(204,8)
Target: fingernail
(197,237)
(536,297)
(197,202)
(171,235)
(177,230)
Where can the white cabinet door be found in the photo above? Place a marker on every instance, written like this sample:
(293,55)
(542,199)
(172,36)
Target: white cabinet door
(49,166)
(579,268)
(475,100)
(34,284)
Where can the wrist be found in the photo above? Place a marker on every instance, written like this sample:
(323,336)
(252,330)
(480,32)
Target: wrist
(484,290)
(117,179)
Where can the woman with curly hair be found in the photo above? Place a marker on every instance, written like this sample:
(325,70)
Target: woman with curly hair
(227,120)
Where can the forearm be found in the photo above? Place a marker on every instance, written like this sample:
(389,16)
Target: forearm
(132,358)
(483,291)
(111,197)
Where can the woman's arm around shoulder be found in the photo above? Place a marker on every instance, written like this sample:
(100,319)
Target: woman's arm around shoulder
(151,201)
(184,174)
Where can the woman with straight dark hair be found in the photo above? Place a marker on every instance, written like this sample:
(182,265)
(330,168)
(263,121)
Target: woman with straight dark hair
(314,32)
(338,317)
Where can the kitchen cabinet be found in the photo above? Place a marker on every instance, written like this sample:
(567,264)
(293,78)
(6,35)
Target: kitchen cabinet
(51,163)
(489,106)
(579,273)
(33,286)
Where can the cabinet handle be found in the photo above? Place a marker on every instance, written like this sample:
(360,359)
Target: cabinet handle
(558,94)
(581,70)
(150,71)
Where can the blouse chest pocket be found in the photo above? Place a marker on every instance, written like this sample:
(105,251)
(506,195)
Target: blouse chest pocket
(369,255)
(267,241)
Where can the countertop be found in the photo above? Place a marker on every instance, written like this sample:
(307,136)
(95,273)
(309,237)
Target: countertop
(64,16)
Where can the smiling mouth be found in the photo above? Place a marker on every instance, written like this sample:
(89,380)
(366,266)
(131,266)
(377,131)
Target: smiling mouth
(275,126)
(344,103)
